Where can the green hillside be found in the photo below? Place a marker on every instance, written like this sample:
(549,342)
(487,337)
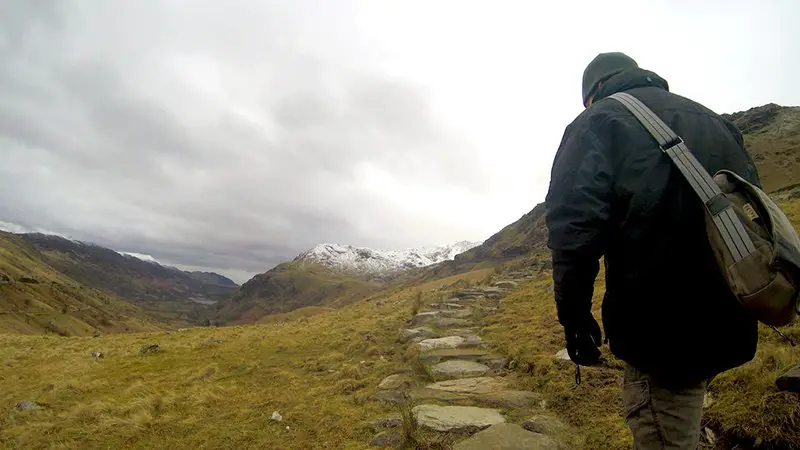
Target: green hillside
(290,286)
(36,298)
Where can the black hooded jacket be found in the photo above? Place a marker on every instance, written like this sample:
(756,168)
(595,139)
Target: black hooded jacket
(614,194)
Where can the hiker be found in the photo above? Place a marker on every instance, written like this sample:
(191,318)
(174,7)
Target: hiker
(667,311)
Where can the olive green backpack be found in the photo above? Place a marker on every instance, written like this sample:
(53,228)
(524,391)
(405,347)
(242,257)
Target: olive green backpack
(756,246)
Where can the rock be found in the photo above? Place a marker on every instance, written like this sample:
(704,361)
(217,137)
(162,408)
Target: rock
(28,280)
(460,369)
(27,405)
(425,317)
(391,439)
(472,341)
(386,422)
(419,395)
(511,399)
(493,291)
(508,284)
(463,332)
(213,341)
(445,342)
(563,354)
(447,306)
(150,349)
(507,436)
(447,354)
(498,363)
(477,385)
(5,279)
(451,322)
(396,381)
(456,418)
(466,293)
(548,425)
(276,417)
(98,355)
(392,397)
(457,313)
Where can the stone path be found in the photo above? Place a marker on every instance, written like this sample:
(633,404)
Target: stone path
(460,391)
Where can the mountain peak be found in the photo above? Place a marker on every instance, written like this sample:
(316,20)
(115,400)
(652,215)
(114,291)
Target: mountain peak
(368,261)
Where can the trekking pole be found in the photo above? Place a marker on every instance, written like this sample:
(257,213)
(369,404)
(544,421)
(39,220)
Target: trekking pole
(785,337)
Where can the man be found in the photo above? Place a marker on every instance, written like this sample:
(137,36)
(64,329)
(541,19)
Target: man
(667,312)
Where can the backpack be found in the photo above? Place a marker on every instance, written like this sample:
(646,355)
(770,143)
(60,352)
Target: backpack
(755,244)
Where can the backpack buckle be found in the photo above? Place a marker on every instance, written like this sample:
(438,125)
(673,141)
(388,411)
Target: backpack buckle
(678,140)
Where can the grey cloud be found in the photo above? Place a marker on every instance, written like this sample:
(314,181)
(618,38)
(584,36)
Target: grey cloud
(104,144)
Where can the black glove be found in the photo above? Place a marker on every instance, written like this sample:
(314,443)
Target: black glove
(584,339)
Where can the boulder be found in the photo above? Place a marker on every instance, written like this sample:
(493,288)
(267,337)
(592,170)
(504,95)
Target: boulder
(396,381)
(444,342)
(507,436)
(507,284)
(548,425)
(456,368)
(563,354)
(498,363)
(477,385)
(456,418)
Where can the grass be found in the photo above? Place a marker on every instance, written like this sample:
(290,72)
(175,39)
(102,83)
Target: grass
(317,370)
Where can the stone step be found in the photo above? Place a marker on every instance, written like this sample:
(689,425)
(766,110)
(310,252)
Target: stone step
(446,322)
(417,333)
(447,354)
(425,317)
(505,284)
(507,436)
(447,305)
(456,418)
(449,342)
(456,313)
(474,385)
(458,368)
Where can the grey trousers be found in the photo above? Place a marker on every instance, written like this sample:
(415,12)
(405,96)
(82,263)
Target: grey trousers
(662,418)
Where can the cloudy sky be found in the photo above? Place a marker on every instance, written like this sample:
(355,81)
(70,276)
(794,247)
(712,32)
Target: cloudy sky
(233,135)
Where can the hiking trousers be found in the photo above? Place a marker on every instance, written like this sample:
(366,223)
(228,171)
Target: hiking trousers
(662,418)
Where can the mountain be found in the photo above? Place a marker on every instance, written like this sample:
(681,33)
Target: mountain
(36,298)
(367,261)
(290,286)
(163,291)
(325,275)
(772,136)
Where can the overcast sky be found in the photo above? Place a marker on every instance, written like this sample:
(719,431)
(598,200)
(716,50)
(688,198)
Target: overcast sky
(231,135)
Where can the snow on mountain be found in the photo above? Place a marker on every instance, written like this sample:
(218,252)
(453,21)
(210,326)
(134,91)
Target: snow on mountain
(369,261)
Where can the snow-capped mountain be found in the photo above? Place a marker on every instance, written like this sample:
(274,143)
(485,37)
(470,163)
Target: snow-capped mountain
(364,260)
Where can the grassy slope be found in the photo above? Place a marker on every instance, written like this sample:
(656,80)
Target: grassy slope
(195,394)
(163,292)
(57,303)
(290,286)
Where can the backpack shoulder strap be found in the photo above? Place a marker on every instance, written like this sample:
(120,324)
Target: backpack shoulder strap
(716,203)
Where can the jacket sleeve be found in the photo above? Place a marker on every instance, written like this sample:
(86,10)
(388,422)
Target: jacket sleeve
(578,214)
